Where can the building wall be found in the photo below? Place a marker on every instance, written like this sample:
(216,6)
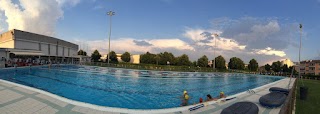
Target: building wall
(18,39)
(310,67)
(23,35)
(7,44)
(26,45)
(44,48)
(6,40)
(73,52)
(135,59)
(60,51)
(2,54)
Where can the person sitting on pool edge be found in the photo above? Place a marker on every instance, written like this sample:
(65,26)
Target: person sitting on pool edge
(209,98)
(222,95)
(185,98)
(200,100)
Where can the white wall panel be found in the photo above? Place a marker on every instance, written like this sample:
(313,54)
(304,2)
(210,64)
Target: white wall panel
(7,44)
(53,51)
(60,51)
(26,45)
(44,49)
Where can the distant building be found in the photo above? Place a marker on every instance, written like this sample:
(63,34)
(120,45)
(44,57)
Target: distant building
(27,46)
(104,58)
(288,62)
(310,67)
(84,59)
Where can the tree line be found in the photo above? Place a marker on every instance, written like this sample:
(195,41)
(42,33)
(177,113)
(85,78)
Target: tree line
(278,67)
(167,58)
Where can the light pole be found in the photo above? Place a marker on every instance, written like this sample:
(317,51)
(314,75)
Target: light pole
(110,13)
(300,26)
(214,51)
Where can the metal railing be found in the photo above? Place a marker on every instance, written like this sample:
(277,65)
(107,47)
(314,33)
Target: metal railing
(289,103)
(152,67)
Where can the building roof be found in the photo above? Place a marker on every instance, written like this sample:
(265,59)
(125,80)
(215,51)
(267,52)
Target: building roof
(314,61)
(24,35)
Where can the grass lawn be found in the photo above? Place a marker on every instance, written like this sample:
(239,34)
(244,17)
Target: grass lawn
(312,104)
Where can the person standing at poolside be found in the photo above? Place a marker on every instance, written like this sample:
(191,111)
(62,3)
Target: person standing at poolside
(185,98)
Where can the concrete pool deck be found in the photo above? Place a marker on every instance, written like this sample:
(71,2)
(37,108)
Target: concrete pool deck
(16,98)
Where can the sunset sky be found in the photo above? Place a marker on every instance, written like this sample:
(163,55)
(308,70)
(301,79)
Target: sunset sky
(265,30)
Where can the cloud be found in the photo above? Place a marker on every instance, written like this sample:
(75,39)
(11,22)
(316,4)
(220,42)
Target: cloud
(68,2)
(264,39)
(1,22)
(270,51)
(205,38)
(259,33)
(171,43)
(39,16)
(135,46)
(142,43)
(97,7)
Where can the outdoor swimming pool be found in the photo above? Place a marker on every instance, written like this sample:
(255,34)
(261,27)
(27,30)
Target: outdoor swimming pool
(133,89)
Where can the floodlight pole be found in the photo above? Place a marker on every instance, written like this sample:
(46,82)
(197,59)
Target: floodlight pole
(300,53)
(214,51)
(110,13)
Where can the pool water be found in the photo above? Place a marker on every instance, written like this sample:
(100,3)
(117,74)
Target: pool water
(133,89)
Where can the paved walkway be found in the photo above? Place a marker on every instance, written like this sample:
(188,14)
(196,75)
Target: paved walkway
(217,107)
(16,100)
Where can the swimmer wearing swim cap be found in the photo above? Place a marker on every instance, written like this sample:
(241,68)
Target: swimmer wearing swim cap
(222,95)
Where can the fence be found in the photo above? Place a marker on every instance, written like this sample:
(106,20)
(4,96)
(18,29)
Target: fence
(289,103)
(152,67)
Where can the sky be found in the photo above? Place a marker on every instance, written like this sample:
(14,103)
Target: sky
(264,30)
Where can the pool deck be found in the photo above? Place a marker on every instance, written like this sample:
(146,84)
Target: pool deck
(16,99)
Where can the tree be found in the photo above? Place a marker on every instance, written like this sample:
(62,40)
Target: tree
(267,67)
(165,57)
(157,58)
(95,56)
(253,65)
(81,52)
(148,58)
(276,66)
(113,57)
(203,61)
(220,63)
(194,63)
(236,63)
(294,70)
(183,60)
(125,57)
(285,68)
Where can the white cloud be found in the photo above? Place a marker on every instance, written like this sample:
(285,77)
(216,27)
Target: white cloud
(196,35)
(97,7)
(1,22)
(170,43)
(39,16)
(68,2)
(270,51)
(128,44)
